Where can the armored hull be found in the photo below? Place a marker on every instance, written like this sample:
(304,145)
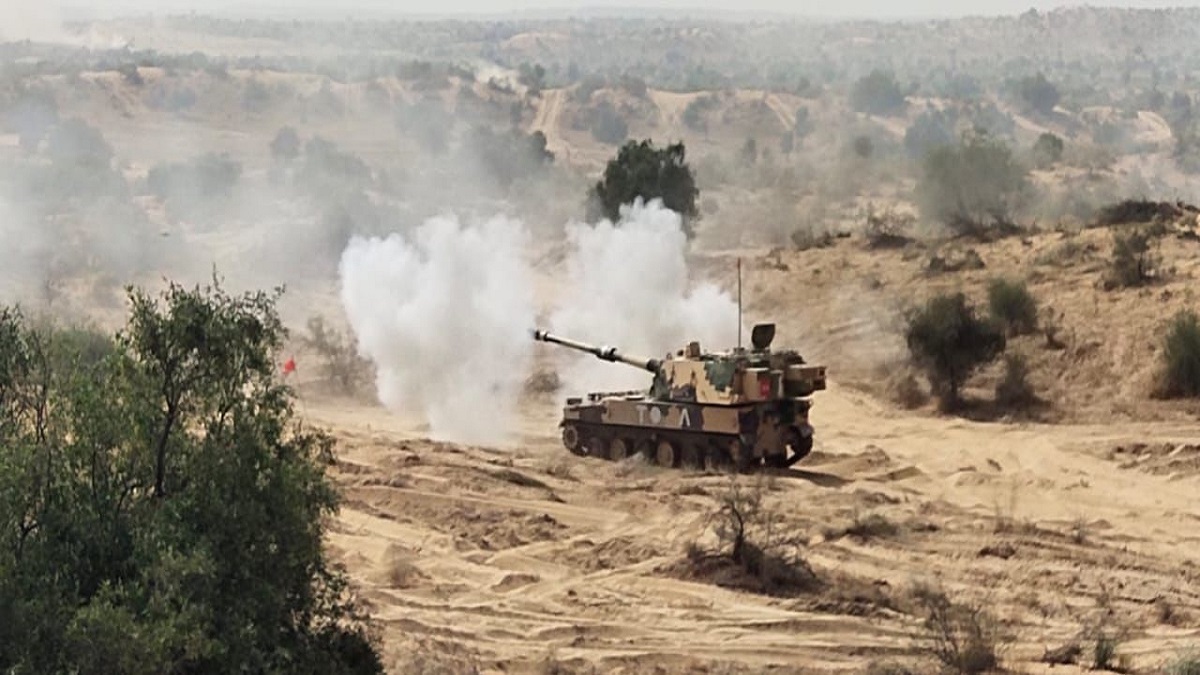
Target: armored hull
(733,409)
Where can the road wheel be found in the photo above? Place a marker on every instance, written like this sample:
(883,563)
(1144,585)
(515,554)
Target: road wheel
(666,454)
(692,459)
(596,447)
(716,459)
(570,439)
(739,456)
(619,450)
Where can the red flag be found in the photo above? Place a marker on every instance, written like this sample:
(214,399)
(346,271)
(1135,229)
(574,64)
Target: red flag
(289,366)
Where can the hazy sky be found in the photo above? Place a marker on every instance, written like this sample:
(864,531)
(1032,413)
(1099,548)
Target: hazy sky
(850,8)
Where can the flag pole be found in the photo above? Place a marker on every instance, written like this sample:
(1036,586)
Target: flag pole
(739,325)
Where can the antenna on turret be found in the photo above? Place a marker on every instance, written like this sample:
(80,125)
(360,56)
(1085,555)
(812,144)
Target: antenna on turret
(739,326)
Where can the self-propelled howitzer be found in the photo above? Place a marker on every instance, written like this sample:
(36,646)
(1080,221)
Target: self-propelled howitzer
(739,408)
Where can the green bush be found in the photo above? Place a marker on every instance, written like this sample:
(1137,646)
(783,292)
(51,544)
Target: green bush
(160,509)
(1181,356)
(949,342)
(1013,306)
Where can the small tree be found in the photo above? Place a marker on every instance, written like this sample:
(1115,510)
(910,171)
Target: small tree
(949,342)
(1181,356)
(642,170)
(972,185)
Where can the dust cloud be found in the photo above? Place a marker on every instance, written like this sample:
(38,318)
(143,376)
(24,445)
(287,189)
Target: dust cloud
(445,315)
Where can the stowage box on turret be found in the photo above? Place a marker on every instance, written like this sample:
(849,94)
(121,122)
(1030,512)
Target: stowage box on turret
(737,408)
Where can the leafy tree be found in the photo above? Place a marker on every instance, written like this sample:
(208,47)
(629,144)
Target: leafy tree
(642,170)
(972,185)
(949,342)
(1038,94)
(160,509)
(1047,150)
(878,94)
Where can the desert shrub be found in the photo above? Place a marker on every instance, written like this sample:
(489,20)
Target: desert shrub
(1187,664)
(887,228)
(1047,150)
(1181,356)
(963,638)
(342,364)
(1104,651)
(908,393)
(947,340)
(1133,263)
(1012,306)
(754,539)
(1014,390)
(870,526)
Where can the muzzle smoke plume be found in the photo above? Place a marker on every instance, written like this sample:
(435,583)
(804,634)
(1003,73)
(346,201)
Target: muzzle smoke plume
(446,316)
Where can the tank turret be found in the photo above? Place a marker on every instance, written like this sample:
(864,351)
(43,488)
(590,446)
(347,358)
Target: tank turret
(740,407)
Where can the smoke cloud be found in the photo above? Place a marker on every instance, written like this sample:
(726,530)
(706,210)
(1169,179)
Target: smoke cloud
(627,286)
(445,315)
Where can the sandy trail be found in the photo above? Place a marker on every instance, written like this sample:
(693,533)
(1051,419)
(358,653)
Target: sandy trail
(507,552)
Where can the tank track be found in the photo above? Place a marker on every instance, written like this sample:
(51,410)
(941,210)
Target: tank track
(671,448)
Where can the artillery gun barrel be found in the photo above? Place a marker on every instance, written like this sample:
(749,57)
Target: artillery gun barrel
(603,353)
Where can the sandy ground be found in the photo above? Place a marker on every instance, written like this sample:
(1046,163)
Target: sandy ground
(526,558)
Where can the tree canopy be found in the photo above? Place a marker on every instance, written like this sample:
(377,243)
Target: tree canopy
(642,170)
(160,509)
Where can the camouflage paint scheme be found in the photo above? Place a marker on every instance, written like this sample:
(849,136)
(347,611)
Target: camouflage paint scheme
(742,406)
